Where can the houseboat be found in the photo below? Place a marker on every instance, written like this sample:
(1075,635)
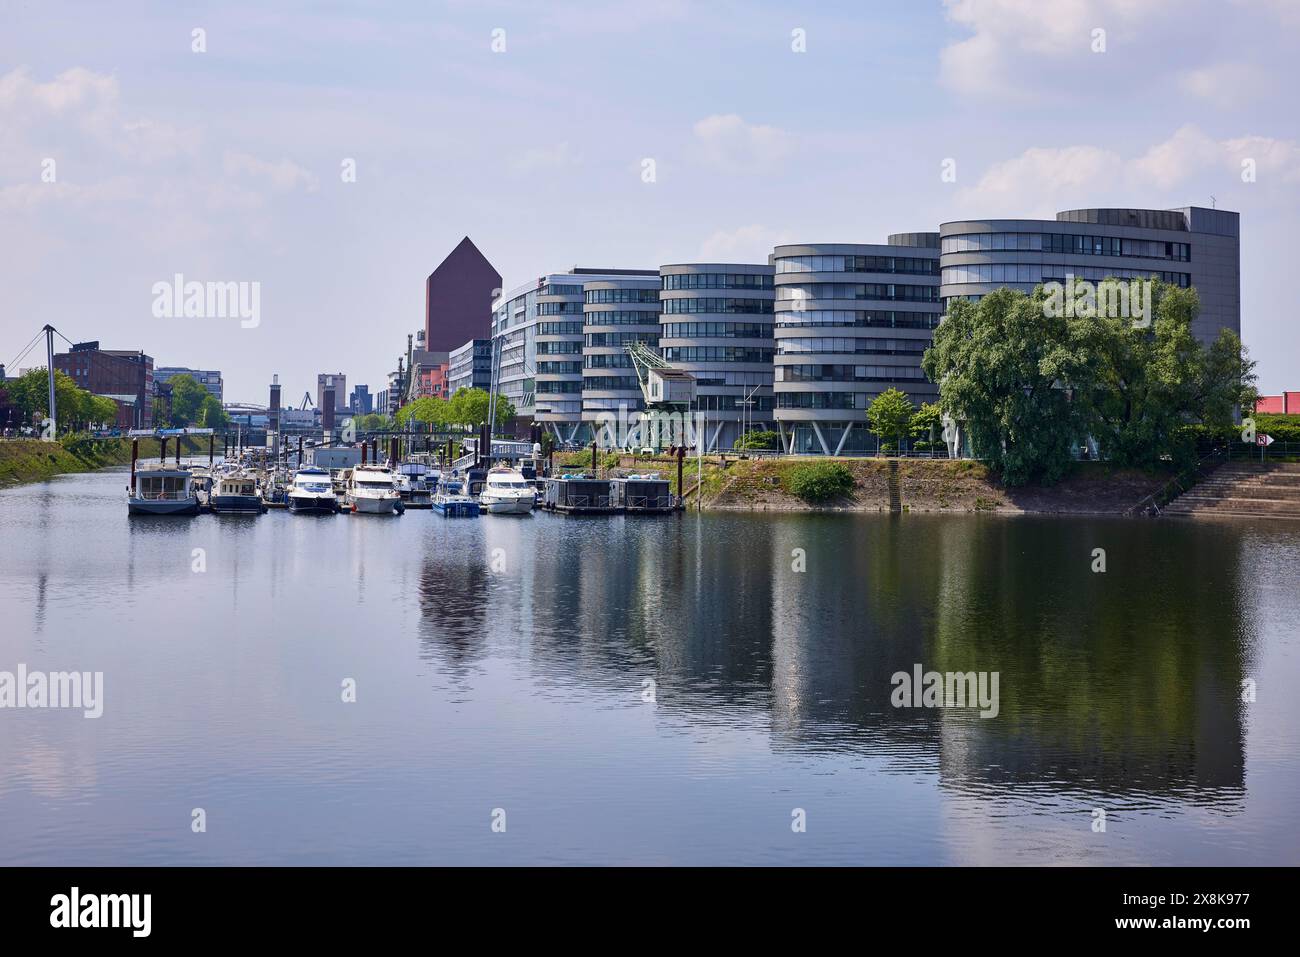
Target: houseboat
(162,490)
(642,494)
(579,495)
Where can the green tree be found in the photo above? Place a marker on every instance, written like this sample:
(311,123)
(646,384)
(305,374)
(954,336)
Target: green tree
(1149,382)
(1005,366)
(890,415)
(759,440)
(212,415)
(187,400)
(469,407)
(103,410)
(927,423)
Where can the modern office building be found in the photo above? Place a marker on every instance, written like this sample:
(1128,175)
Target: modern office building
(540,363)
(361,401)
(458,298)
(851,322)
(470,366)
(124,376)
(717,324)
(1192,246)
(615,313)
(210,379)
(336,381)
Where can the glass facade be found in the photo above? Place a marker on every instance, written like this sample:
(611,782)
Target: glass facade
(726,344)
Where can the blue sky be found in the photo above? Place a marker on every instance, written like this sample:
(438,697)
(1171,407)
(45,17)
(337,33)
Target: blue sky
(225,165)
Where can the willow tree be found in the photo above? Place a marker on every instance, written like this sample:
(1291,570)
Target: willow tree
(1005,367)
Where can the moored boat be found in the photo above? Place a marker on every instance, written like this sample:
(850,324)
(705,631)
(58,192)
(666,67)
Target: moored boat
(311,493)
(236,493)
(162,490)
(450,499)
(372,491)
(506,493)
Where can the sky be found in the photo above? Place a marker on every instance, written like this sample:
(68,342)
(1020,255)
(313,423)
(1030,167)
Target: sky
(128,156)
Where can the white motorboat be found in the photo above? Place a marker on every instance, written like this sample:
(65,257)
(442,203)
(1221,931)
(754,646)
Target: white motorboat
(162,490)
(372,491)
(311,493)
(506,492)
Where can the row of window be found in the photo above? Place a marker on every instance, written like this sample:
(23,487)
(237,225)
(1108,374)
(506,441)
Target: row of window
(719,306)
(612,383)
(824,400)
(622,295)
(845,373)
(723,377)
(859,346)
(717,354)
(717,280)
(554,289)
(617,360)
(559,308)
(559,328)
(714,330)
(1038,272)
(562,387)
(621,317)
(1067,243)
(912,265)
(618,338)
(887,291)
(858,319)
(559,368)
(564,347)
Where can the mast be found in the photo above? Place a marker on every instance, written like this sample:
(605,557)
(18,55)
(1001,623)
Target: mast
(49,366)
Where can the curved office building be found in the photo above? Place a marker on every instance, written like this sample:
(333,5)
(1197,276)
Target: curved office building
(1187,247)
(851,322)
(615,312)
(717,325)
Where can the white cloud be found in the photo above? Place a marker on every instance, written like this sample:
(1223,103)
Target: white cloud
(1042,180)
(730,144)
(1009,36)
(79,111)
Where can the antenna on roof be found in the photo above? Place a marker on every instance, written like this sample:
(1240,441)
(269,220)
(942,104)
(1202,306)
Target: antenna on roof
(1212,201)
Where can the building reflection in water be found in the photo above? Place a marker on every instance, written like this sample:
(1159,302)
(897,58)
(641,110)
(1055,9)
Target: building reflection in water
(1122,682)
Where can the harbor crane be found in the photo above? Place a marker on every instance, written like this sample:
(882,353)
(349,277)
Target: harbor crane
(667,390)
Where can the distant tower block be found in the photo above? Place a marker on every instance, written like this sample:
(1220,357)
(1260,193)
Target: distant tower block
(274,407)
(327,411)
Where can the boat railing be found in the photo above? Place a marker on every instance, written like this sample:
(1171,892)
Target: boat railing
(165,496)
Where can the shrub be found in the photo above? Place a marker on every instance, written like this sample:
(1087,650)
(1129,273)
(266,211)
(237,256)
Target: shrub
(758,440)
(821,481)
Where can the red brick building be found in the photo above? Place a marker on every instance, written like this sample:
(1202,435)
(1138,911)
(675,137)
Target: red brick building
(124,376)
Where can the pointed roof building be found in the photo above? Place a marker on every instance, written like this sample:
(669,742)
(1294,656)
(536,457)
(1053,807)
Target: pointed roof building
(458,299)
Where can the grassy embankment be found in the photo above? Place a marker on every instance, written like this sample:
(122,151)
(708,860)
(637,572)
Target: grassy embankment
(925,485)
(31,460)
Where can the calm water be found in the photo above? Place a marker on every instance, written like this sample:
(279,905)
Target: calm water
(522,689)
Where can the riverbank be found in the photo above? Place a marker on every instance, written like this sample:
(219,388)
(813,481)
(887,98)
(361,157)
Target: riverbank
(924,485)
(31,460)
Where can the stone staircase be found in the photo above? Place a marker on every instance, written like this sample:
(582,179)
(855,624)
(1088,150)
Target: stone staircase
(1244,489)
